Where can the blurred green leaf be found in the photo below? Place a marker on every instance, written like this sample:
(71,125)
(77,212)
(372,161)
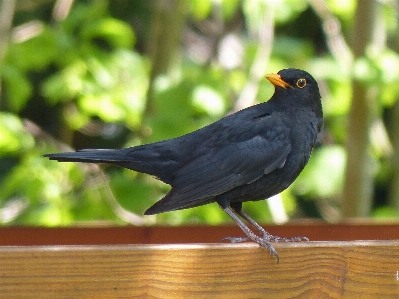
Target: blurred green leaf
(343,9)
(200,8)
(35,53)
(229,8)
(136,193)
(13,137)
(17,87)
(323,176)
(116,32)
(384,213)
(67,84)
(173,112)
(208,100)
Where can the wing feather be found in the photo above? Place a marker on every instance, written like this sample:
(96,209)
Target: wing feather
(211,171)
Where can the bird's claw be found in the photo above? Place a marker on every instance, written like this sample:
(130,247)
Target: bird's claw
(265,238)
(265,241)
(235,239)
(272,238)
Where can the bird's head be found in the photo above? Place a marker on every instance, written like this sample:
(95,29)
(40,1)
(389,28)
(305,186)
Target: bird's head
(298,86)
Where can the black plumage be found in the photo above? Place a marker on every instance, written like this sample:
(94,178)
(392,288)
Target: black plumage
(250,155)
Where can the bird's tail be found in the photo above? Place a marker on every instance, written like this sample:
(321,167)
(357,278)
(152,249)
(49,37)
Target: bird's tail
(150,158)
(111,156)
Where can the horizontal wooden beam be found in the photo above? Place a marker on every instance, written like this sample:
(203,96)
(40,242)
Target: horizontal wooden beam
(361,269)
(314,230)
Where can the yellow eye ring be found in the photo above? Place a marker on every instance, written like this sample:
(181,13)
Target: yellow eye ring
(301,83)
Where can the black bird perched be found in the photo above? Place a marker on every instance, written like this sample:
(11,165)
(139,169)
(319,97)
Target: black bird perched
(250,155)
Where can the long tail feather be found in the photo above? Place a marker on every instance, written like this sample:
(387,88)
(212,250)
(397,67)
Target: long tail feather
(90,156)
(144,159)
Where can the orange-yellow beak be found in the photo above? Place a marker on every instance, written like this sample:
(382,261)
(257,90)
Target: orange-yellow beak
(277,81)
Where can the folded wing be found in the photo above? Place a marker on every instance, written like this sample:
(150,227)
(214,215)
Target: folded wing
(214,170)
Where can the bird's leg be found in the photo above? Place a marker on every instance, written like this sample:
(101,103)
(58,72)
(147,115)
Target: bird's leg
(250,235)
(237,207)
(265,234)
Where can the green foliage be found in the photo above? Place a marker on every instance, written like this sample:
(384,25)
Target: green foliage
(200,9)
(13,137)
(19,89)
(86,80)
(323,176)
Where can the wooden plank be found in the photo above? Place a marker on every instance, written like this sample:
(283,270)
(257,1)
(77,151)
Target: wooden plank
(360,269)
(314,230)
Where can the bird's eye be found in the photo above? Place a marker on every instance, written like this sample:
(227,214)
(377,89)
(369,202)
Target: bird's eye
(301,83)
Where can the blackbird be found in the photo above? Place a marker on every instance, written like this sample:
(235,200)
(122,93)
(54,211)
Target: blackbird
(249,155)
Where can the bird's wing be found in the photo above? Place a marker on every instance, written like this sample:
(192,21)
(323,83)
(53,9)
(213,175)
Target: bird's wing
(213,170)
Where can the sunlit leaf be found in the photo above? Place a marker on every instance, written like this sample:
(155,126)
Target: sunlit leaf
(116,32)
(67,84)
(13,136)
(200,8)
(323,176)
(343,9)
(35,53)
(208,100)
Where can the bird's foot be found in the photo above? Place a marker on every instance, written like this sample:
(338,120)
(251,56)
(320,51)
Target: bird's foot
(267,237)
(263,238)
(264,242)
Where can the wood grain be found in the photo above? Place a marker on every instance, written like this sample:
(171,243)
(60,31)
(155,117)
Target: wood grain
(360,269)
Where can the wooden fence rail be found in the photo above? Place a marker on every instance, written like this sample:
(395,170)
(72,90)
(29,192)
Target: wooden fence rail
(314,230)
(350,269)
